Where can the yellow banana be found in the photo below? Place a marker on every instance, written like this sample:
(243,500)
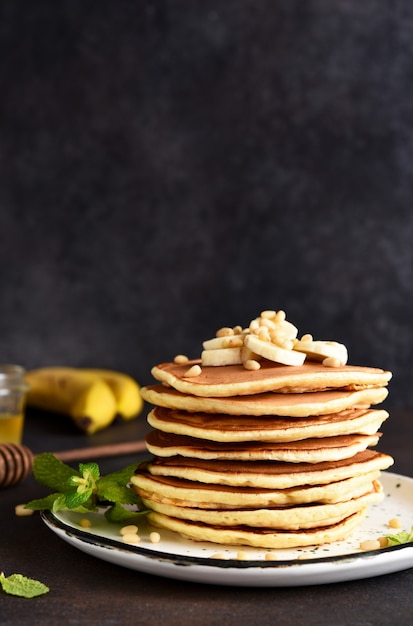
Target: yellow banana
(125,389)
(82,395)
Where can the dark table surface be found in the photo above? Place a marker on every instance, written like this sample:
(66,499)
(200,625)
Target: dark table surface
(86,590)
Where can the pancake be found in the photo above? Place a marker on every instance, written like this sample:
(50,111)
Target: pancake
(269,474)
(279,518)
(304,451)
(182,492)
(292,405)
(259,537)
(234,380)
(224,428)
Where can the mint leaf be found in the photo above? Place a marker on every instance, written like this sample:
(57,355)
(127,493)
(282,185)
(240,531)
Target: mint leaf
(19,585)
(113,492)
(77,499)
(114,487)
(42,504)
(399,538)
(121,477)
(51,472)
(118,513)
(59,503)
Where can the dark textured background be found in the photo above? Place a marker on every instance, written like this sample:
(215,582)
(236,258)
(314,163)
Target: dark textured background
(167,168)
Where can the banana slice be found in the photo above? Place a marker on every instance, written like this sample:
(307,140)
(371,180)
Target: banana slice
(272,352)
(320,350)
(216,343)
(221,356)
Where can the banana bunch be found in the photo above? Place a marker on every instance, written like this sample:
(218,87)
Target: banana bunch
(93,398)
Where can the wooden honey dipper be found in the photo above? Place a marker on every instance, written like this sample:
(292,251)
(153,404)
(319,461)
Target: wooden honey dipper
(16,460)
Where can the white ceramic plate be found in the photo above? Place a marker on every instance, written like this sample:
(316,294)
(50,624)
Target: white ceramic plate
(175,557)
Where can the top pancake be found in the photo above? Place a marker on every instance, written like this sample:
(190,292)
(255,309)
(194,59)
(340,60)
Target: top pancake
(235,380)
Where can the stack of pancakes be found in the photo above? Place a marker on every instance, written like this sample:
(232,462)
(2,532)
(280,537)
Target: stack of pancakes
(277,457)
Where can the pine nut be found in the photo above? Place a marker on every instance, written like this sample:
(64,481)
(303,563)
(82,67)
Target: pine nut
(131,538)
(154,537)
(277,336)
(268,323)
(224,332)
(180,359)
(331,361)
(254,326)
(21,511)
(394,523)
(269,314)
(195,370)
(370,544)
(85,523)
(264,334)
(252,365)
(129,529)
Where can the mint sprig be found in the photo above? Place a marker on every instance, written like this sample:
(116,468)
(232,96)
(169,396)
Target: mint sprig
(84,489)
(19,585)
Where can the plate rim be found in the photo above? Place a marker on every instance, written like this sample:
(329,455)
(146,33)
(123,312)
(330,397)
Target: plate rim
(107,543)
